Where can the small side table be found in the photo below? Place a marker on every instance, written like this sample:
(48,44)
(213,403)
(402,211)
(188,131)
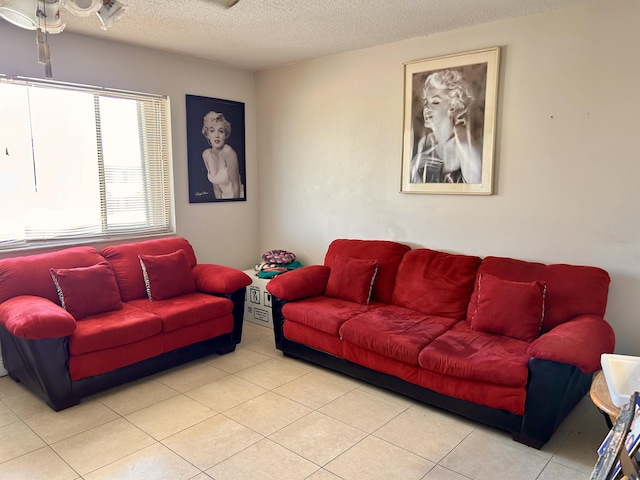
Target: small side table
(599,394)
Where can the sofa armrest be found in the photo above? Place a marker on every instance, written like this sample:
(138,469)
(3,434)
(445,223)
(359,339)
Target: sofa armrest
(303,282)
(212,278)
(578,342)
(35,318)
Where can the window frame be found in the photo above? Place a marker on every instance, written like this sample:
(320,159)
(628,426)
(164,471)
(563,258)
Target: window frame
(156,168)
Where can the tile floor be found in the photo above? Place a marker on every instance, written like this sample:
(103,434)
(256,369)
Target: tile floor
(254,414)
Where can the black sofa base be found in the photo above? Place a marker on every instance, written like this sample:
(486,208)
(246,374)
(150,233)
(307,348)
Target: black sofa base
(42,365)
(33,363)
(533,433)
(553,389)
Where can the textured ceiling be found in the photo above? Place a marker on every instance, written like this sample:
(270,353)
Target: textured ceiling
(259,34)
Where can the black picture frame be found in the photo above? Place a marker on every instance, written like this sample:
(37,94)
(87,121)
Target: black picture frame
(201,189)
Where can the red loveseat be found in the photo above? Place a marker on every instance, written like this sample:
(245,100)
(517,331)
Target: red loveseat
(505,342)
(77,321)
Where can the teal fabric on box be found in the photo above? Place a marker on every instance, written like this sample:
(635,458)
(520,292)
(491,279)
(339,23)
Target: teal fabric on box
(277,271)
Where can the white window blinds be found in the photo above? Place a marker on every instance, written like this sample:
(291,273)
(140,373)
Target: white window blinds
(81,163)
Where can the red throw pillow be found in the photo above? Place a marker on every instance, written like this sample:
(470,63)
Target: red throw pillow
(168,275)
(512,309)
(87,291)
(351,279)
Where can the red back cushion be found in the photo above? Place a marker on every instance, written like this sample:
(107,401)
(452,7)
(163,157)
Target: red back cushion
(29,275)
(572,290)
(388,255)
(512,309)
(126,264)
(87,291)
(351,279)
(167,276)
(435,283)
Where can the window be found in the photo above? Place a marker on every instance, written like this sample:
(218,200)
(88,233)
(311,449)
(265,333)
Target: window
(81,163)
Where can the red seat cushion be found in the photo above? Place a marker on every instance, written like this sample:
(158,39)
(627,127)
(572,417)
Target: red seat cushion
(101,361)
(394,332)
(185,310)
(112,329)
(435,283)
(87,290)
(322,313)
(484,357)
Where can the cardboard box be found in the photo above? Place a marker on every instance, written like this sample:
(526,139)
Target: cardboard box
(257,304)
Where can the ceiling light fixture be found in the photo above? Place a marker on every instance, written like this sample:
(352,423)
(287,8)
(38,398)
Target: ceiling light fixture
(44,17)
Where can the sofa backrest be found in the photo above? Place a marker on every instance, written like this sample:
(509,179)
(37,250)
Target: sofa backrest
(126,264)
(435,283)
(572,290)
(388,254)
(29,275)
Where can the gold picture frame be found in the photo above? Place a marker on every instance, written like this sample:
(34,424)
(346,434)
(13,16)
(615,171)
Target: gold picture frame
(449,123)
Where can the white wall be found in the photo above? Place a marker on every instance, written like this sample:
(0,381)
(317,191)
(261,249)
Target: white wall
(567,164)
(225,233)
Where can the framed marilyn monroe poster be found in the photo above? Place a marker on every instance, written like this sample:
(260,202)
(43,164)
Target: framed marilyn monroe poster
(216,150)
(449,123)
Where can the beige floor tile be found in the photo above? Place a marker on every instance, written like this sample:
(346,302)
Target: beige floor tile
(190,376)
(272,373)
(362,410)
(136,395)
(170,416)
(481,457)
(323,474)
(315,389)
(386,394)
(577,451)
(54,426)
(441,473)
(265,346)
(26,404)
(585,407)
(252,332)
(555,471)
(155,462)
(42,463)
(8,387)
(267,413)
(6,415)
(102,445)
(341,377)
(226,393)
(375,459)
(212,441)
(318,438)
(17,439)
(264,460)
(238,360)
(424,432)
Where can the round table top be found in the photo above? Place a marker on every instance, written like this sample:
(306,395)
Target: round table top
(599,394)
